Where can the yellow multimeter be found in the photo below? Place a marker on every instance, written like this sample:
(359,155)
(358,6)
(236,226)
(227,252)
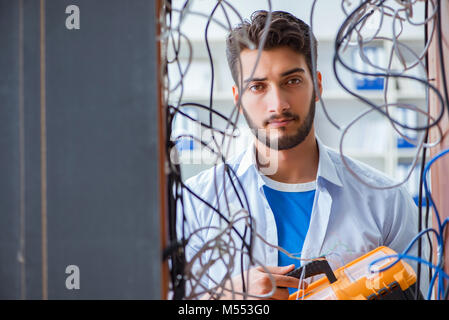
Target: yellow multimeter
(357,281)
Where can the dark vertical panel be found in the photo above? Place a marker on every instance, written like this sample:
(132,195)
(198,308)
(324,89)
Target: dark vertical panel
(24,80)
(102,142)
(9,151)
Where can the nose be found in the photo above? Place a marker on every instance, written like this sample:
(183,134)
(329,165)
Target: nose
(277,102)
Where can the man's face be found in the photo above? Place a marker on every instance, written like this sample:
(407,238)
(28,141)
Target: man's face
(279,100)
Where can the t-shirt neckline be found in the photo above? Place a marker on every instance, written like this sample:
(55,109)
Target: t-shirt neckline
(289,187)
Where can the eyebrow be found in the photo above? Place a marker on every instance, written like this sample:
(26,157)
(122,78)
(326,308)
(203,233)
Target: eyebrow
(300,70)
(284,74)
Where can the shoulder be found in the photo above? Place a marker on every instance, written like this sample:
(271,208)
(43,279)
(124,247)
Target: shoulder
(209,178)
(351,171)
(205,191)
(369,183)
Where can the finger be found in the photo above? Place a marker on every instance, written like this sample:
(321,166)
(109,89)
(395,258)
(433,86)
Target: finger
(285,281)
(279,270)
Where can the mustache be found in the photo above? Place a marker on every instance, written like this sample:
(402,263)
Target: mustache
(284,115)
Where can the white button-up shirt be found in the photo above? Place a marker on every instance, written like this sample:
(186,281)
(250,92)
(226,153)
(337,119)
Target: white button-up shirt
(348,218)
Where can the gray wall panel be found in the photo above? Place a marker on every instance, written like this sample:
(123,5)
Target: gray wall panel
(102,142)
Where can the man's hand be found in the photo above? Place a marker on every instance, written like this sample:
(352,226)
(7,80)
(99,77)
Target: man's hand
(260,283)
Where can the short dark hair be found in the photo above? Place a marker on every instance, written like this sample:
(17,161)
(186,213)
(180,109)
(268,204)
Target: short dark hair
(285,31)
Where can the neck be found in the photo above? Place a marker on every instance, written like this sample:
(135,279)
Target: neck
(295,165)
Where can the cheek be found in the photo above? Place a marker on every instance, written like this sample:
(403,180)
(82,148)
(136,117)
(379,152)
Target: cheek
(250,105)
(255,104)
(302,101)
(252,113)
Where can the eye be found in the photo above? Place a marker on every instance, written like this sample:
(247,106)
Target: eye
(294,81)
(256,87)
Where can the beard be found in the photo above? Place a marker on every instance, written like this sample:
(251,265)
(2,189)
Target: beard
(284,142)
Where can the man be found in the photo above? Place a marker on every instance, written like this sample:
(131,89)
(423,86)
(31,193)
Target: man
(287,199)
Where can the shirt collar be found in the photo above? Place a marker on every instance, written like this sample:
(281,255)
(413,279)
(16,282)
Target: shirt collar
(326,167)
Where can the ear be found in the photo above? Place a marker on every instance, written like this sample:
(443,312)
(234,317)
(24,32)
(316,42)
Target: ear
(319,81)
(235,93)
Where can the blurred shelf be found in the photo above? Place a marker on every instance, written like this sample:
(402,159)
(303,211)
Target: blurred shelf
(343,95)
(408,154)
(412,95)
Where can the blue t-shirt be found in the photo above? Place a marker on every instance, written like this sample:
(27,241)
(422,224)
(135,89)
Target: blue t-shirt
(292,207)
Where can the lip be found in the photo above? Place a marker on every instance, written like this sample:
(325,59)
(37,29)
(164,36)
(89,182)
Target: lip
(280,123)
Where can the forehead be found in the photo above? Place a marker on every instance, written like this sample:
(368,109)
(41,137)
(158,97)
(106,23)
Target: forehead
(272,63)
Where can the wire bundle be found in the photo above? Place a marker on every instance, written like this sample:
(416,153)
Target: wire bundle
(222,248)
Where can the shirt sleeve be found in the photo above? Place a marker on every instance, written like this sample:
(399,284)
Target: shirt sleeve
(404,228)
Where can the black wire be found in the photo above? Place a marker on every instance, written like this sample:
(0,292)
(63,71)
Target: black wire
(227,171)
(175,249)
(421,180)
(202,124)
(421,186)
(177,246)
(230,170)
(184,186)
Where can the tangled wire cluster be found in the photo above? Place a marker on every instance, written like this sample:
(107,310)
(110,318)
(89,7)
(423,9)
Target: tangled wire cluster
(386,20)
